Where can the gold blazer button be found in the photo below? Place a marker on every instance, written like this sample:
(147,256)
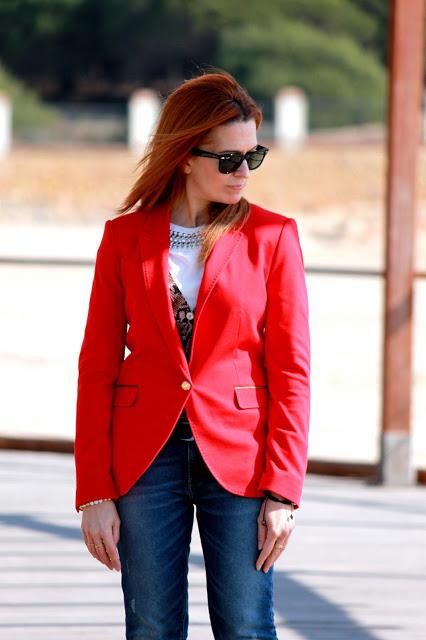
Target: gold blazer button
(185,385)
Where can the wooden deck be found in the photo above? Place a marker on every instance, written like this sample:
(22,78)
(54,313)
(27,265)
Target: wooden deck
(355,567)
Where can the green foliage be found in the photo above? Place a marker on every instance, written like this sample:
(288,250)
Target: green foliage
(98,49)
(336,50)
(379,12)
(326,48)
(296,54)
(27,109)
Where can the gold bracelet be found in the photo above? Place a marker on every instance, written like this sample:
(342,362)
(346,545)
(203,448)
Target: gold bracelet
(88,504)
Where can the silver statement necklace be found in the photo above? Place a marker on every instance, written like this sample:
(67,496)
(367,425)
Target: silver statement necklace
(185,240)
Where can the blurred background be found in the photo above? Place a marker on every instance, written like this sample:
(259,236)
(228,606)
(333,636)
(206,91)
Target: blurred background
(73,74)
(81,83)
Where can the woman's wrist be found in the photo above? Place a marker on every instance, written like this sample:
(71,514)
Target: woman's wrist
(277,498)
(82,507)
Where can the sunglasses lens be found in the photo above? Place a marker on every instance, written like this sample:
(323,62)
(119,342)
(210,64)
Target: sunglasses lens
(230,163)
(255,159)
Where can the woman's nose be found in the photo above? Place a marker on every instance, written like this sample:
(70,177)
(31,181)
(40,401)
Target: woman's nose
(243,170)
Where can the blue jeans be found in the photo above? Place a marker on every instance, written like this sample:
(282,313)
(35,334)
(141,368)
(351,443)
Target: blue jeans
(156,524)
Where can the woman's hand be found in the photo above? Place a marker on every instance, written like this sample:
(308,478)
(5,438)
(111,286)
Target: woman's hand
(274,527)
(100,525)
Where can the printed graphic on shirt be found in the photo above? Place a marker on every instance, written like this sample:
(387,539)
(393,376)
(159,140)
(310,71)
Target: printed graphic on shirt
(183,315)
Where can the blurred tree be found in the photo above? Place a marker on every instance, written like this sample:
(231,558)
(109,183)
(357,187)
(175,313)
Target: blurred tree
(378,10)
(100,48)
(27,109)
(327,49)
(103,49)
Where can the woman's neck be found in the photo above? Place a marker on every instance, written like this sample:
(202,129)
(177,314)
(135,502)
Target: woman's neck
(181,215)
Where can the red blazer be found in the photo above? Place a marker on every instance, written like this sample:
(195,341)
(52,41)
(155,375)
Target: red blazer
(246,387)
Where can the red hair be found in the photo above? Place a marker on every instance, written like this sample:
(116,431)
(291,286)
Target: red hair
(188,115)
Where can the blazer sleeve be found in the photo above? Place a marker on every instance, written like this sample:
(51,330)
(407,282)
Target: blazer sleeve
(287,363)
(101,354)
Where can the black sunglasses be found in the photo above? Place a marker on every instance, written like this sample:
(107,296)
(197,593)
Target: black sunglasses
(229,162)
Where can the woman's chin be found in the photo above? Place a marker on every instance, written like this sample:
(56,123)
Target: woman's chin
(227,198)
(233,198)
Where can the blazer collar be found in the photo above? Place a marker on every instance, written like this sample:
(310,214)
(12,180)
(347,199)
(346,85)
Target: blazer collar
(154,254)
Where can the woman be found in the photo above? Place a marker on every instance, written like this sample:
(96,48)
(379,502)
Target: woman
(210,408)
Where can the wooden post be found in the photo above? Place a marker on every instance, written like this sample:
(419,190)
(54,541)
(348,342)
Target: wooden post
(404,136)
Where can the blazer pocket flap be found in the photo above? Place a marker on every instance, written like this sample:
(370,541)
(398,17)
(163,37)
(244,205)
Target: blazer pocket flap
(125,395)
(251,396)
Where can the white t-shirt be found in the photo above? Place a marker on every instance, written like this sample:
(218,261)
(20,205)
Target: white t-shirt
(183,266)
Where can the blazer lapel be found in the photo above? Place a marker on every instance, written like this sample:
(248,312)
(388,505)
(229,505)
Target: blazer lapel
(154,255)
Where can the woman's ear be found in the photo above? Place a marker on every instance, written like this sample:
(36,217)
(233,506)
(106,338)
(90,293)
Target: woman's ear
(186,167)
(186,164)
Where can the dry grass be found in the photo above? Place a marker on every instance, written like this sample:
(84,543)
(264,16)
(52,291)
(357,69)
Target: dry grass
(336,191)
(88,183)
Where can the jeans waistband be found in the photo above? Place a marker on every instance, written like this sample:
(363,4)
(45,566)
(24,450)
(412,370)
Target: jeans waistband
(182,430)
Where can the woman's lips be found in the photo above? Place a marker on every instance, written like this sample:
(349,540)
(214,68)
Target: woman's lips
(237,187)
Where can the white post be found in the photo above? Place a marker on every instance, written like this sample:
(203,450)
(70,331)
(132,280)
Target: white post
(291,115)
(5,124)
(143,110)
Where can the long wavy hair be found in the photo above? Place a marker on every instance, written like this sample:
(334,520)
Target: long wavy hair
(188,115)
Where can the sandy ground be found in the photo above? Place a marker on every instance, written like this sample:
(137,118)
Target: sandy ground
(53,202)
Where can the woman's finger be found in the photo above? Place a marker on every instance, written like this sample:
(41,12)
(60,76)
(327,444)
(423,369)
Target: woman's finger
(277,550)
(99,552)
(273,550)
(261,535)
(261,527)
(111,552)
(116,529)
(267,549)
(93,549)
(106,552)
(276,530)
